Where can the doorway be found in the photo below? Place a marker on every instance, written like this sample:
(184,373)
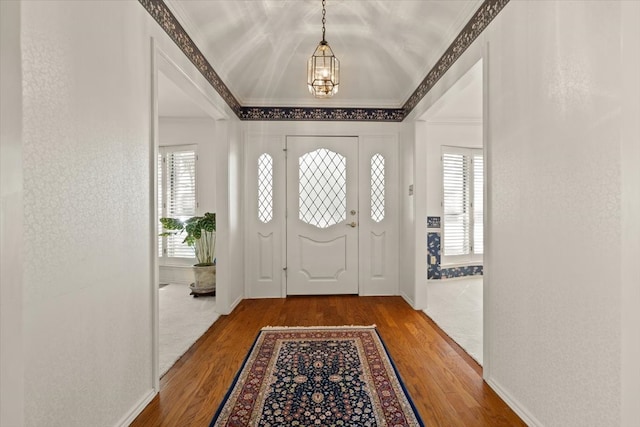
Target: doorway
(185,186)
(322,215)
(455,209)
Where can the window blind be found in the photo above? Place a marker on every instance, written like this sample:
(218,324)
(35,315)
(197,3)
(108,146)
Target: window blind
(161,184)
(456,204)
(478,204)
(178,195)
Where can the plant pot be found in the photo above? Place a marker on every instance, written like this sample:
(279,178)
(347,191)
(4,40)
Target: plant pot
(205,279)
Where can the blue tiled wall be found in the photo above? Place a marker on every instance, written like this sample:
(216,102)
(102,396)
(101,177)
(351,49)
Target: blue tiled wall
(434,261)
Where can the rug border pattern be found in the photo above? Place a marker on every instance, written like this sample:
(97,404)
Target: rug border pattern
(378,367)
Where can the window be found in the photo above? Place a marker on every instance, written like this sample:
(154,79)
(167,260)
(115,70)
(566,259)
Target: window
(176,195)
(462,201)
(322,177)
(377,187)
(265,188)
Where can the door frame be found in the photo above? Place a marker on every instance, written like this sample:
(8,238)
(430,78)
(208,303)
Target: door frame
(176,71)
(270,137)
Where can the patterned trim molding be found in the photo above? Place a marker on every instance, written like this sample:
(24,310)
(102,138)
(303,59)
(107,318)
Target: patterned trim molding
(342,114)
(163,16)
(480,20)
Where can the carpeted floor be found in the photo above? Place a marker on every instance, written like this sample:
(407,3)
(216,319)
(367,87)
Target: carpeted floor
(456,307)
(183,319)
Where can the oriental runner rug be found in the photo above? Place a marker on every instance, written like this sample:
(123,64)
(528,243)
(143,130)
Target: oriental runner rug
(319,376)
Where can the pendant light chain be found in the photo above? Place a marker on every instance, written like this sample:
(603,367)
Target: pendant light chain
(324,19)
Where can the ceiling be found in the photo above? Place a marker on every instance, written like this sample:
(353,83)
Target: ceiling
(462,102)
(260,48)
(173,102)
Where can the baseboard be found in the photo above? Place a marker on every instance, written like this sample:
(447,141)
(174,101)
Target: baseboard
(409,301)
(137,409)
(235,304)
(180,275)
(513,403)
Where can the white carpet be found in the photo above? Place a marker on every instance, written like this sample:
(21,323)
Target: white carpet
(456,307)
(183,319)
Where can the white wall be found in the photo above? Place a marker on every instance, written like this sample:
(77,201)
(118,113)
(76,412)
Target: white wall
(229,201)
(554,294)
(630,224)
(407,263)
(87,147)
(87,306)
(561,292)
(11,223)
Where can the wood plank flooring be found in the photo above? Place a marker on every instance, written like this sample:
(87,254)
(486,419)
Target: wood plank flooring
(443,381)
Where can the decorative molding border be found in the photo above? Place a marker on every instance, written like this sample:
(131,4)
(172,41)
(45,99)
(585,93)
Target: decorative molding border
(324,114)
(169,23)
(487,11)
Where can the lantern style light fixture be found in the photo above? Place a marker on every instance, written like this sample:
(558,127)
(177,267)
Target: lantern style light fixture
(323,68)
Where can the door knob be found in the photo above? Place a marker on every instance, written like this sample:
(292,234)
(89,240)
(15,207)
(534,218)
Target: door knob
(352,224)
(353,212)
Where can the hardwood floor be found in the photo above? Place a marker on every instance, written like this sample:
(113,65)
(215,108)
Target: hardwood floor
(443,381)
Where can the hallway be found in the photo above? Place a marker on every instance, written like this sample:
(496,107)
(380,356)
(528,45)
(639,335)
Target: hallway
(444,382)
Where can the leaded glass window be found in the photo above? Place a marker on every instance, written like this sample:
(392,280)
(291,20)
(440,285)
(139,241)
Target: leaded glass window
(265,188)
(377,187)
(322,188)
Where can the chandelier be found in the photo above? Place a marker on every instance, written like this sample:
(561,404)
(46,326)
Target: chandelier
(323,68)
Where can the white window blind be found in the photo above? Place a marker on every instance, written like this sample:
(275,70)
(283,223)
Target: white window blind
(478,204)
(457,204)
(462,177)
(177,194)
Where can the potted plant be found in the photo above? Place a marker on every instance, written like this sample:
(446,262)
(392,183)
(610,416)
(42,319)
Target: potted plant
(201,235)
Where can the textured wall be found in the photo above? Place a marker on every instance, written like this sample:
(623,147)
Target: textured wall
(554,150)
(630,201)
(87,305)
(11,213)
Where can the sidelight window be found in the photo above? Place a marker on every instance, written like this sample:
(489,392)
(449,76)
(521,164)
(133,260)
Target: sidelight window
(265,188)
(377,187)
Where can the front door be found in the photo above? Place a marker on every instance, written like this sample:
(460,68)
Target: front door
(322,216)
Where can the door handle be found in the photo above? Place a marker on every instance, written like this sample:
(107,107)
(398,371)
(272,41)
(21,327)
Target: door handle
(352,224)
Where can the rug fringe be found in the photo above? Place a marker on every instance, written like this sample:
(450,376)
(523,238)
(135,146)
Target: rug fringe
(271,328)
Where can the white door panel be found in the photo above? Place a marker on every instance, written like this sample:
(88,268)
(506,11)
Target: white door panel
(265,216)
(322,218)
(378,226)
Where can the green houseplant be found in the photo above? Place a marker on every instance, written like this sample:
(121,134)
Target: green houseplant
(201,235)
